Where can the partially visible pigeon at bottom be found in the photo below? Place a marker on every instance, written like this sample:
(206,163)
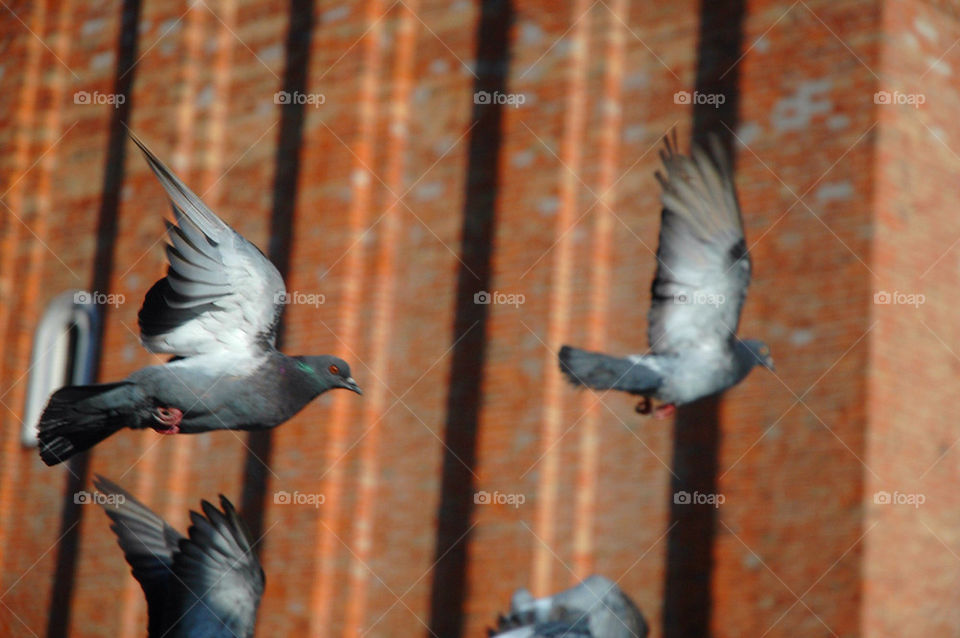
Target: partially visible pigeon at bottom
(596,608)
(208,583)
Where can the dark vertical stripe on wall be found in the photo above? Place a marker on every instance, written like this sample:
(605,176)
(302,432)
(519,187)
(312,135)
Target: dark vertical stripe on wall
(285,181)
(71,516)
(448,591)
(687,595)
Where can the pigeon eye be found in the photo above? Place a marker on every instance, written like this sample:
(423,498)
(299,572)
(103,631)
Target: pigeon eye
(334,369)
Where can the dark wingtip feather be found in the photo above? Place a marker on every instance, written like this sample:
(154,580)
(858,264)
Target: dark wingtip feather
(154,162)
(105,485)
(136,139)
(236,522)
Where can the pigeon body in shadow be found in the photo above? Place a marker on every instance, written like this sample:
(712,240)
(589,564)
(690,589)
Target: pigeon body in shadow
(208,583)
(217,312)
(703,271)
(596,608)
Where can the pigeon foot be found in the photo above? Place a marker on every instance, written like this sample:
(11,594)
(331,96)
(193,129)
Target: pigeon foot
(665,411)
(168,420)
(644,406)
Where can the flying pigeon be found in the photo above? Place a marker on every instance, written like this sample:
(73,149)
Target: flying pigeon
(206,584)
(217,311)
(703,270)
(596,608)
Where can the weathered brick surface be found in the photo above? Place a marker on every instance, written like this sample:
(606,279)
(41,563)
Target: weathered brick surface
(843,198)
(910,557)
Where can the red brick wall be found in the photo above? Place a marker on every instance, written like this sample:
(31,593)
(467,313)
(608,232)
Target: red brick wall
(788,557)
(843,198)
(911,553)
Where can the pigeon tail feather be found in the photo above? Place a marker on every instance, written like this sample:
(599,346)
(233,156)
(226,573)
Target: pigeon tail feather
(603,372)
(78,417)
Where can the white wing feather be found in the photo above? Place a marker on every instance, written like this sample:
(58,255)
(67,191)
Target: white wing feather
(221,294)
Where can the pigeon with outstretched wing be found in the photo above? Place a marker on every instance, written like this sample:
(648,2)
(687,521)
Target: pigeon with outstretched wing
(703,271)
(217,312)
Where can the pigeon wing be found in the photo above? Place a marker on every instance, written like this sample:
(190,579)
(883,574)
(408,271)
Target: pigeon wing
(149,546)
(221,294)
(221,574)
(703,268)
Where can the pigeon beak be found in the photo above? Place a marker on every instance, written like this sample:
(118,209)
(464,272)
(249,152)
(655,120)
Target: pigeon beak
(351,385)
(768,364)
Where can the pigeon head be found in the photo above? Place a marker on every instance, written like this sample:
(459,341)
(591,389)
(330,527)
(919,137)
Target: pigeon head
(758,352)
(331,372)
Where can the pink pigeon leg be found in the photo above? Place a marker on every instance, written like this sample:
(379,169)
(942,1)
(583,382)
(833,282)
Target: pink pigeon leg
(665,411)
(168,420)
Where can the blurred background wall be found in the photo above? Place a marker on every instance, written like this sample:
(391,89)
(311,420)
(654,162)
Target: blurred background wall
(389,183)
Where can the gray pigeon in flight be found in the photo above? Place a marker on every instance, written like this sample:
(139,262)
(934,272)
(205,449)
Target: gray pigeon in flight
(596,608)
(208,583)
(217,312)
(703,270)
